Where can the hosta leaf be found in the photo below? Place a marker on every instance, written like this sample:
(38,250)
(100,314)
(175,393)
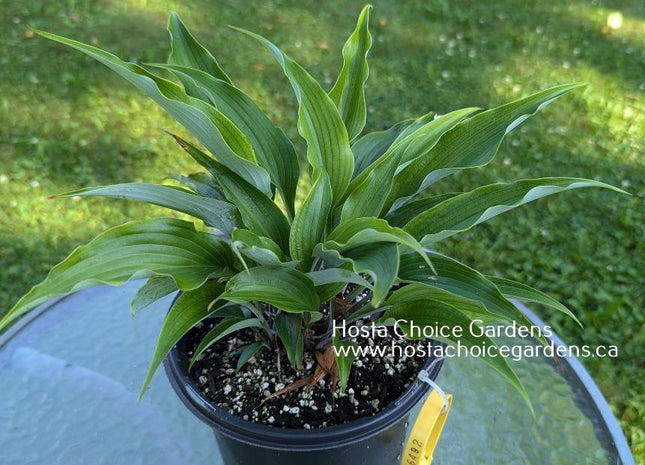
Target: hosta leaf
(371,146)
(223,329)
(311,219)
(367,198)
(379,260)
(369,190)
(190,308)
(429,313)
(515,290)
(348,93)
(319,123)
(201,183)
(163,246)
(216,213)
(470,144)
(345,356)
(362,231)
(258,248)
(426,136)
(186,51)
(280,286)
(466,210)
(204,121)
(420,291)
(154,289)
(290,331)
(258,211)
(411,144)
(272,147)
(402,215)
(248,352)
(331,281)
(414,124)
(337,275)
(459,279)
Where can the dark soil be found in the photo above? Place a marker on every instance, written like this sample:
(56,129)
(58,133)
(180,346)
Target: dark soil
(374,382)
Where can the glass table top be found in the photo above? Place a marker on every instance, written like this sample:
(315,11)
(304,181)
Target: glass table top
(70,376)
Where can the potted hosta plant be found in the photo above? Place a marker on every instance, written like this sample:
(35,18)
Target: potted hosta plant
(276,294)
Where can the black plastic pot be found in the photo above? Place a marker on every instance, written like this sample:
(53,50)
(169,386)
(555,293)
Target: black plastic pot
(376,440)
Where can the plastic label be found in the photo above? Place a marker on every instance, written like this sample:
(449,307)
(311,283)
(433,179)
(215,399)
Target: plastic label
(427,430)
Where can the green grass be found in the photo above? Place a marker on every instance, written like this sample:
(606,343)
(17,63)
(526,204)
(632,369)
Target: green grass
(67,122)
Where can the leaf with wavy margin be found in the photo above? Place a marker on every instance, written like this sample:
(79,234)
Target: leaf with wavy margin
(463,211)
(367,193)
(349,91)
(319,123)
(309,225)
(379,260)
(280,286)
(273,149)
(290,330)
(140,249)
(206,123)
(258,211)
(186,51)
(521,291)
(154,289)
(216,213)
(473,143)
(190,308)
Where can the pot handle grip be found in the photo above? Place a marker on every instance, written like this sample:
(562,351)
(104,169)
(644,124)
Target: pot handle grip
(427,429)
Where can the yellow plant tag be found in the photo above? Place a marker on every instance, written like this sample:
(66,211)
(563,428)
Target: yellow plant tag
(427,430)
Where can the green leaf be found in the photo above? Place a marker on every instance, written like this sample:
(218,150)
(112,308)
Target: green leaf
(162,247)
(461,280)
(280,286)
(202,184)
(402,215)
(470,144)
(258,248)
(223,329)
(420,291)
(463,211)
(216,213)
(319,123)
(271,146)
(247,353)
(210,127)
(345,356)
(515,290)
(369,190)
(349,93)
(337,275)
(186,51)
(258,211)
(362,231)
(308,226)
(379,260)
(290,331)
(415,124)
(432,313)
(331,281)
(154,289)
(371,146)
(190,308)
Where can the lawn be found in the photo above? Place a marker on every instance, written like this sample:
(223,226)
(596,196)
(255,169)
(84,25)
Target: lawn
(67,122)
